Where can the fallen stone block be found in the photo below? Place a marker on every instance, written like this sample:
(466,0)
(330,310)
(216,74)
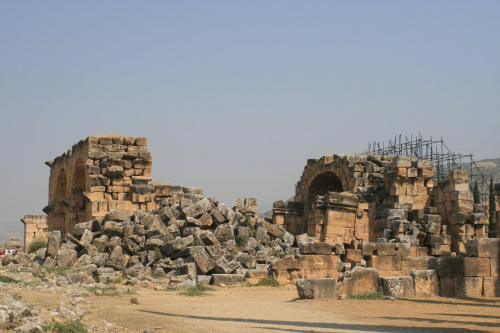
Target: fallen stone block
(426,282)
(66,256)
(316,288)
(204,263)
(352,256)
(361,280)
(224,233)
(398,286)
(117,259)
(198,208)
(117,216)
(227,279)
(224,266)
(272,229)
(204,279)
(53,243)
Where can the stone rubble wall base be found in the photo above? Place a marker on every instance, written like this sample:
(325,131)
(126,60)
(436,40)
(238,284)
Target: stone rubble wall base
(477,275)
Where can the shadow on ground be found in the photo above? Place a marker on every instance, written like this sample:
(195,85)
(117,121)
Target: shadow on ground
(303,326)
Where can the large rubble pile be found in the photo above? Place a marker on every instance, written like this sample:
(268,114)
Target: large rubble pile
(189,237)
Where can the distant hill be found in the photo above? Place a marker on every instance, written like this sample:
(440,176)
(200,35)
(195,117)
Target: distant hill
(488,167)
(5,236)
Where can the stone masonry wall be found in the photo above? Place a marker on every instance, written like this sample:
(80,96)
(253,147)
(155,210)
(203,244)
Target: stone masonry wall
(455,203)
(100,174)
(35,227)
(346,198)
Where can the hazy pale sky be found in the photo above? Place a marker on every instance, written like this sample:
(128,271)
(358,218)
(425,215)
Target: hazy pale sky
(235,96)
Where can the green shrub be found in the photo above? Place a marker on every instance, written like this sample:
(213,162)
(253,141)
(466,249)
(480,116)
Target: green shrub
(7,279)
(241,241)
(66,327)
(198,290)
(284,254)
(269,281)
(252,231)
(58,270)
(368,296)
(158,253)
(37,244)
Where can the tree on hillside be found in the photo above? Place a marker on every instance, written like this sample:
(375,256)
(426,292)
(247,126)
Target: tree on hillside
(476,193)
(493,207)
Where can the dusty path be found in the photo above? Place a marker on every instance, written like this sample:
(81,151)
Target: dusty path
(261,309)
(267,309)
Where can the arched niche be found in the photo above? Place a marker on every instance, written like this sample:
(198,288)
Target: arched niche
(323,183)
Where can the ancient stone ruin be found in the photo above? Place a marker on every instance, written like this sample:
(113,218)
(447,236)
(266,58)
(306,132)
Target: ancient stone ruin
(362,222)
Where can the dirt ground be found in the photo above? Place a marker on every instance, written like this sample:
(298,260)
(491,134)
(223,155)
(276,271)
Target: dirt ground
(267,309)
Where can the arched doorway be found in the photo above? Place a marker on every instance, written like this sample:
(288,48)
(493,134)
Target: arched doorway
(323,183)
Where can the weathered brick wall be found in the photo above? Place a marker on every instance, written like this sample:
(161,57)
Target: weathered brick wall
(35,227)
(476,275)
(100,174)
(345,198)
(455,203)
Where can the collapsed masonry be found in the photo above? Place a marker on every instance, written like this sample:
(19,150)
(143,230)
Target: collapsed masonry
(350,212)
(359,198)
(391,215)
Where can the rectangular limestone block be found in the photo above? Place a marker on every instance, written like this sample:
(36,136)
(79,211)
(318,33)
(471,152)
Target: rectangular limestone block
(142,198)
(412,172)
(483,247)
(385,249)
(415,263)
(422,164)
(460,266)
(384,263)
(426,283)
(402,172)
(439,250)
(286,263)
(319,262)
(398,286)
(446,287)
(495,267)
(418,251)
(425,173)
(393,273)
(491,287)
(352,255)
(403,199)
(419,181)
(466,287)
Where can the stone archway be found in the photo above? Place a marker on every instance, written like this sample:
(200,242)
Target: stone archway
(323,183)
(78,208)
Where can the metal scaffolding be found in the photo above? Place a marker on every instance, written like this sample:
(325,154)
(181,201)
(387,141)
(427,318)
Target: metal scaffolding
(432,150)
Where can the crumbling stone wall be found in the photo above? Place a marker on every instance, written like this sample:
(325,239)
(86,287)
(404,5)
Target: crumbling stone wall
(476,274)
(455,203)
(100,174)
(35,227)
(345,198)
(96,175)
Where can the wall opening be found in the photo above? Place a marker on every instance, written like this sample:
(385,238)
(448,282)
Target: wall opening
(325,182)
(78,187)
